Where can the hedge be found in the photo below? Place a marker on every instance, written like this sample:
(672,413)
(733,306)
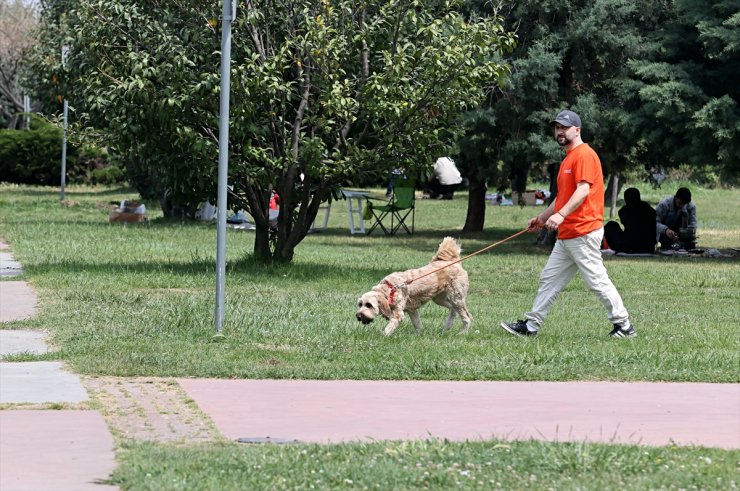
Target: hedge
(34,156)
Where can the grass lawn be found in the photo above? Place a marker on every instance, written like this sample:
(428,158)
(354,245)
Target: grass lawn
(138,300)
(432,464)
(131,300)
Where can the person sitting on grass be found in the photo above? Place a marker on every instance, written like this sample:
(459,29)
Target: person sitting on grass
(673,213)
(638,218)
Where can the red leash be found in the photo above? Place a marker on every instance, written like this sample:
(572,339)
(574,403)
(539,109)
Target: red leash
(491,246)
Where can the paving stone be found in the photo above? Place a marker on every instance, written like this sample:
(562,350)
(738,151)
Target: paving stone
(39,382)
(17,301)
(9,266)
(345,410)
(13,342)
(55,451)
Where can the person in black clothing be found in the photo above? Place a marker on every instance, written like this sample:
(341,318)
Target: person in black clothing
(638,218)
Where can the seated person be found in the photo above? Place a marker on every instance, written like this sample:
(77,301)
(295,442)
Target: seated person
(673,213)
(638,218)
(446,179)
(395,173)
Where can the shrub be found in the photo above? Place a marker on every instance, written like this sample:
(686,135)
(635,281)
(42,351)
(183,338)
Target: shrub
(96,166)
(107,175)
(33,156)
(704,175)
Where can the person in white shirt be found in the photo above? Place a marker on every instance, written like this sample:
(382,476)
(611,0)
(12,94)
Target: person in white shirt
(446,179)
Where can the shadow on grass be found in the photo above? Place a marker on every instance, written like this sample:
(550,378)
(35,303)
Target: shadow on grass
(338,237)
(251,269)
(246,268)
(427,241)
(423,242)
(53,192)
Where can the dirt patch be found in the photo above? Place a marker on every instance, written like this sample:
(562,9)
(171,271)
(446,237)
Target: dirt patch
(151,409)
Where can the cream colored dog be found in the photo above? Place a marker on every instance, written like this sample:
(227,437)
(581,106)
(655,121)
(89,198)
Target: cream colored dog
(402,291)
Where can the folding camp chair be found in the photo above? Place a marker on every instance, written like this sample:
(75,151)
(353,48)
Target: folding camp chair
(398,208)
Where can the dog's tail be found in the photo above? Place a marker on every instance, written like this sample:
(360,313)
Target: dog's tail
(449,250)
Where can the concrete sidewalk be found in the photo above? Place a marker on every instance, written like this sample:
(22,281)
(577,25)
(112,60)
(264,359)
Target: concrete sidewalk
(60,450)
(17,301)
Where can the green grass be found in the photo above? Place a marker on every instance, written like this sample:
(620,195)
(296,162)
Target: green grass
(132,300)
(139,299)
(434,464)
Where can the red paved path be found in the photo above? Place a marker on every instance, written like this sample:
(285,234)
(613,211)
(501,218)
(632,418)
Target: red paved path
(54,451)
(338,411)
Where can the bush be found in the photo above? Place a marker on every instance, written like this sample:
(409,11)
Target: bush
(704,175)
(107,176)
(34,156)
(96,166)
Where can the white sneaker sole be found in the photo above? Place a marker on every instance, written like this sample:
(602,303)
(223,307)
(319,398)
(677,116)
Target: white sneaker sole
(510,330)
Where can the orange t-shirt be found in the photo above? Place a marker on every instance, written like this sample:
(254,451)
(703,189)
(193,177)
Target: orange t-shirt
(581,164)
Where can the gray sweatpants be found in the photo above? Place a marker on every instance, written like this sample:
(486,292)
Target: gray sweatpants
(568,257)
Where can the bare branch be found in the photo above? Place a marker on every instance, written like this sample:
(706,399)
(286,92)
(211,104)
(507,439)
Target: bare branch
(256,39)
(305,93)
(209,133)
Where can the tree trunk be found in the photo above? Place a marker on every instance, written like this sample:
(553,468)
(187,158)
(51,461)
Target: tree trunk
(14,122)
(612,193)
(285,254)
(170,209)
(277,242)
(262,243)
(476,217)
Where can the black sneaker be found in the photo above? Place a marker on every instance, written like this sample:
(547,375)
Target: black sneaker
(623,332)
(518,328)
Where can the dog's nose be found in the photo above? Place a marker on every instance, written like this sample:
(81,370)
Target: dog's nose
(359,317)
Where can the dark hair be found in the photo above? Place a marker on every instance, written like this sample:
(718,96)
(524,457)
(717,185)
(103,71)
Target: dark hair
(684,195)
(632,196)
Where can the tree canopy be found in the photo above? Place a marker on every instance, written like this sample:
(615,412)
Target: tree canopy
(568,55)
(331,92)
(686,91)
(654,82)
(18,20)
(324,92)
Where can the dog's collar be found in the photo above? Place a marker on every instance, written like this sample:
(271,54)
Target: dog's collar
(392,293)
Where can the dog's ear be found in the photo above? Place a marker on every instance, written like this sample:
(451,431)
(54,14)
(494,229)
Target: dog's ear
(383,306)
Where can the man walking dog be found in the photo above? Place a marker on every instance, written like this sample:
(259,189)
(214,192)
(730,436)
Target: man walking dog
(578,215)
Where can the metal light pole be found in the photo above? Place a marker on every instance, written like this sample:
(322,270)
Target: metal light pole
(64,151)
(65,53)
(229,12)
(26,110)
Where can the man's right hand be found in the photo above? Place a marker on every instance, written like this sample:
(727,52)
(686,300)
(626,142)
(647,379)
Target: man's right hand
(535,224)
(671,235)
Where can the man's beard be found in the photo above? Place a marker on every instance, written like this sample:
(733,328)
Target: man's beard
(563,141)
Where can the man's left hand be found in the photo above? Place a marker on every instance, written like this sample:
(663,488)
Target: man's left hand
(554,221)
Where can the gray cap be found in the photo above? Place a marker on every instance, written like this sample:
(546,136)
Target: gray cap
(567,118)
